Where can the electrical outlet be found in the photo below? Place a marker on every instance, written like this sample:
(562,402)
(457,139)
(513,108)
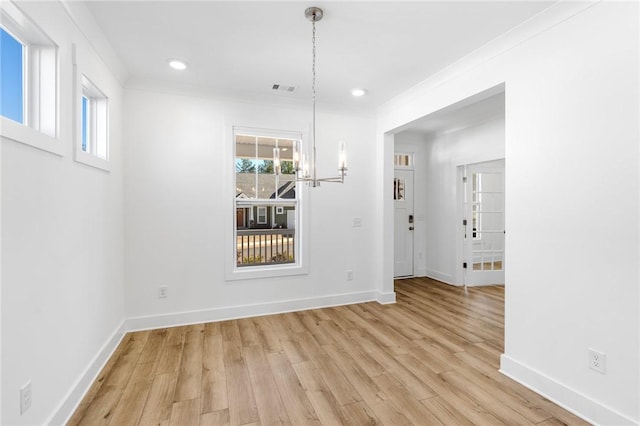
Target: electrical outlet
(163,292)
(597,361)
(349,275)
(25,398)
(357,222)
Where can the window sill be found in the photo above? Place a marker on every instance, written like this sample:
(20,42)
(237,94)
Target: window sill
(93,161)
(256,272)
(26,135)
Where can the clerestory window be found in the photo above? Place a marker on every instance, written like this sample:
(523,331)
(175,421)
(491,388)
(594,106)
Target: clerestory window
(28,82)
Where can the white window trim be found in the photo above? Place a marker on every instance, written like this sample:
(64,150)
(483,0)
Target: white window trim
(41,100)
(232,272)
(81,156)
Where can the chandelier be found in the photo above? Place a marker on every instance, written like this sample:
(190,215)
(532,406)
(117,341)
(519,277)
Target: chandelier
(305,167)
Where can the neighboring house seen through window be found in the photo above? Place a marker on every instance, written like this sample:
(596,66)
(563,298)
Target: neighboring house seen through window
(266,203)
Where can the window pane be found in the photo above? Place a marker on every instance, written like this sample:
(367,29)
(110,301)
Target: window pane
(85,127)
(11,77)
(270,246)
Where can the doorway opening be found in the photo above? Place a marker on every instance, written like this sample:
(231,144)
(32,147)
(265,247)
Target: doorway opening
(403,220)
(482,200)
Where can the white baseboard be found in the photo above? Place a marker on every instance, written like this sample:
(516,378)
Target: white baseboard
(73,398)
(246,311)
(566,397)
(440,276)
(386,298)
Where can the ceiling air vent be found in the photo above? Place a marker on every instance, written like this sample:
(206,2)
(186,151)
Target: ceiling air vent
(283,88)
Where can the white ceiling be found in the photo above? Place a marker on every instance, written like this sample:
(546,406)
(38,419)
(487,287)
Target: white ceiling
(469,112)
(242,48)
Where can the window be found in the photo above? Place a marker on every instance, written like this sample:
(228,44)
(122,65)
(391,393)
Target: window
(92,116)
(262,215)
(94,107)
(267,216)
(29,90)
(12,74)
(402,160)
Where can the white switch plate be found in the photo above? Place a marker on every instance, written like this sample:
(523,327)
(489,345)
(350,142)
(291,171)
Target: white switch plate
(163,292)
(597,361)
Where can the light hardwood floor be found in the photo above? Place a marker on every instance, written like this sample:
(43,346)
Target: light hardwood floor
(432,358)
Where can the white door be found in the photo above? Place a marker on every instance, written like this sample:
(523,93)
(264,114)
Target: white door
(484,223)
(403,220)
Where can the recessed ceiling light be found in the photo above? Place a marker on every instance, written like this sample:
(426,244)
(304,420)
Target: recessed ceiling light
(358,92)
(177,64)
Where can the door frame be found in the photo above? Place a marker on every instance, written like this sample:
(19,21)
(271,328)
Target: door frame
(460,276)
(410,235)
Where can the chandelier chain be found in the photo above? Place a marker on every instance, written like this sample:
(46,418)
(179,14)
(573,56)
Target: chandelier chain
(313,65)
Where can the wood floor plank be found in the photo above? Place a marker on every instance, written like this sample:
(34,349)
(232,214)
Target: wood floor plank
(134,397)
(102,405)
(485,399)
(185,413)
(359,413)
(242,402)
(270,406)
(445,412)
(405,400)
(294,350)
(391,365)
(371,394)
(190,372)
(431,358)
(299,408)
(312,325)
(323,401)
(266,336)
(160,400)
(171,353)
(153,347)
(340,386)
(215,418)
(248,332)
(312,348)
(214,379)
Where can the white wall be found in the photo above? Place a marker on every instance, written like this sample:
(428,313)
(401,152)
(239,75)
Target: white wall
(436,190)
(178,210)
(572,189)
(62,266)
